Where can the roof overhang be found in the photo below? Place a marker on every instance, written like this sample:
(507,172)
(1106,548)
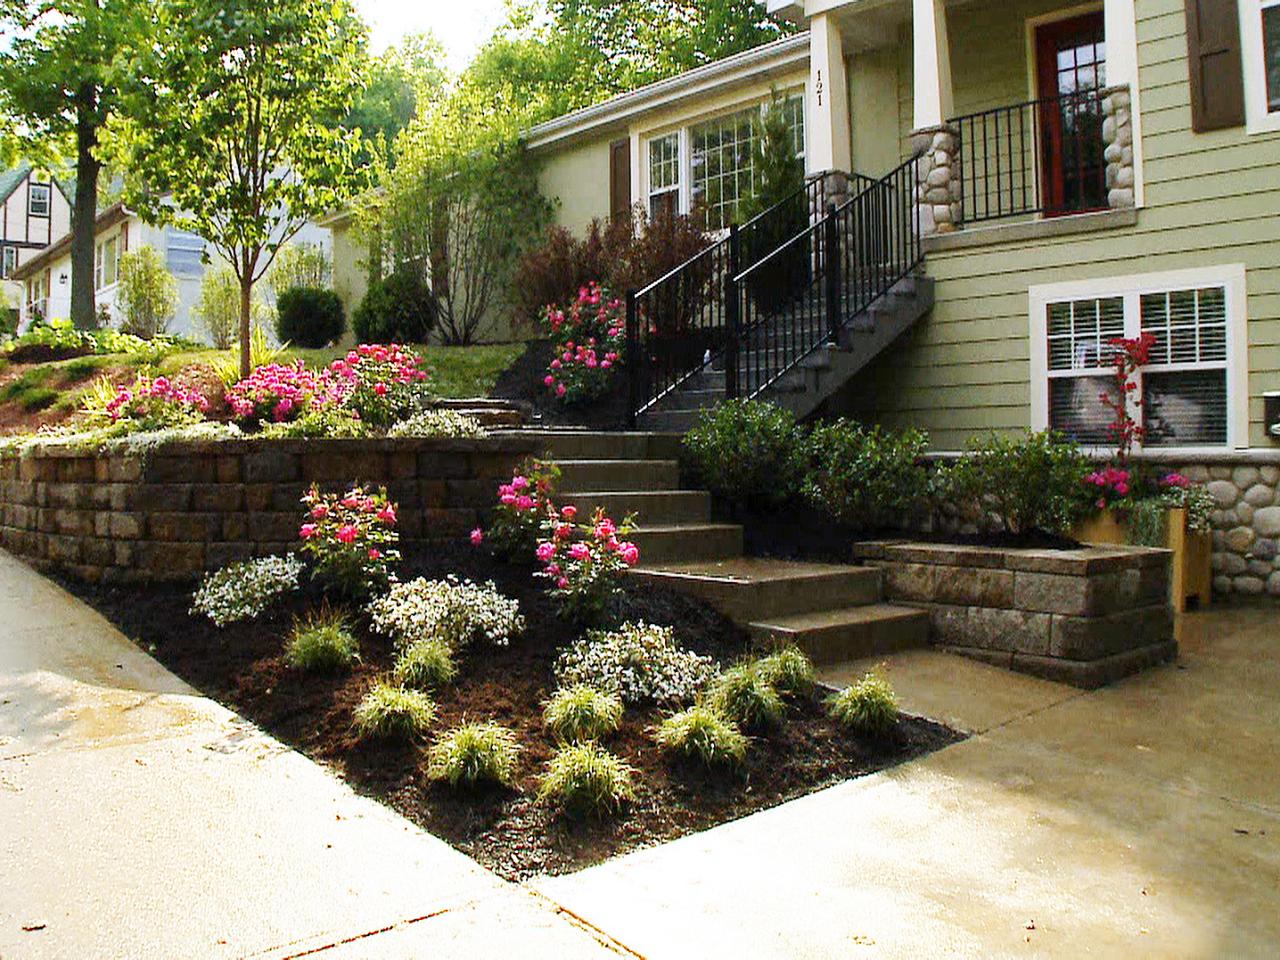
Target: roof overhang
(107,219)
(762,62)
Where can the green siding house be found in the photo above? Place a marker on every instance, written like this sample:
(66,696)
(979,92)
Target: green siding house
(1082,172)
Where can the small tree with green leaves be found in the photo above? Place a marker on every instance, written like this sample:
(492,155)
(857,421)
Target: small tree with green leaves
(217,311)
(232,134)
(300,265)
(147,297)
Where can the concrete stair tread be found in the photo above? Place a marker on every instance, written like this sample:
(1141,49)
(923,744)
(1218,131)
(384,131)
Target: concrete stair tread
(566,463)
(843,617)
(748,570)
(659,528)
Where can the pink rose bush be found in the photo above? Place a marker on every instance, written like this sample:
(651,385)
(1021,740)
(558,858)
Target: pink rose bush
(382,383)
(590,339)
(584,562)
(279,392)
(350,538)
(522,505)
(152,404)
(1110,484)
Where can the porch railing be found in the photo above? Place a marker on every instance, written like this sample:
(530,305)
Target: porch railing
(1045,156)
(680,319)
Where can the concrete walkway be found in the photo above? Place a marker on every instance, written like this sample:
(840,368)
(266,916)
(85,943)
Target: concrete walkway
(1141,820)
(138,819)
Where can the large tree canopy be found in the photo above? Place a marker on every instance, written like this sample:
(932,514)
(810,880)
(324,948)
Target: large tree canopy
(228,132)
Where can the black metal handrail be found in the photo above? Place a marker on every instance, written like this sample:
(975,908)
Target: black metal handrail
(681,318)
(801,295)
(1045,156)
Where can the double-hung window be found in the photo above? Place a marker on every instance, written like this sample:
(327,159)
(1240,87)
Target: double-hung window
(10,262)
(1271,52)
(38,200)
(106,263)
(1190,394)
(1260,40)
(664,175)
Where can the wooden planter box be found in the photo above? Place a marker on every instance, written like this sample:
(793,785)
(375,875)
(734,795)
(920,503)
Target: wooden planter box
(1192,569)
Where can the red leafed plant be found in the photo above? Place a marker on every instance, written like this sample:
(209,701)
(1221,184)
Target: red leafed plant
(1131,354)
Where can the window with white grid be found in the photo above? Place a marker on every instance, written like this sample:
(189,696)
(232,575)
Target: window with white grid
(1190,392)
(664,174)
(1271,52)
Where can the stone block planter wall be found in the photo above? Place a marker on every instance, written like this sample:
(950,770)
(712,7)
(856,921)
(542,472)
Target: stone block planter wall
(1084,617)
(188,507)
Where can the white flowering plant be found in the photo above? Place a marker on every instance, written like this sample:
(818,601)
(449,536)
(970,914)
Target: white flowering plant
(443,424)
(452,611)
(638,662)
(242,591)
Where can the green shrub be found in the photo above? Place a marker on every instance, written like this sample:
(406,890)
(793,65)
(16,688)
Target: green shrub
(389,710)
(309,317)
(425,664)
(744,695)
(866,478)
(329,422)
(147,297)
(788,671)
(38,398)
(474,753)
(398,309)
(585,779)
(323,642)
(1030,482)
(748,452)
(702,733)
(582,712)
(868,707)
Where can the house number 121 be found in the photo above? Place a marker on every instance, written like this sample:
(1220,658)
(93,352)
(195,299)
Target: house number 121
(817,87)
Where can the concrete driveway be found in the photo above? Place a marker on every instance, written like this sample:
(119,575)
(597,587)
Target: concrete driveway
(138,819)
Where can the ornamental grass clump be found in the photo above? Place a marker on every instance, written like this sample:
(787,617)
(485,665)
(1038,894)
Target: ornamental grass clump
(473,754)
(350,539)
(584,562)
(390,711)
(585,779)
(439,424)
(425,665)
(868,707)
(788,671)
(451,611)
(745,695)
(581,712)
(638,662)
(704,734)
(242,591)
(322,642)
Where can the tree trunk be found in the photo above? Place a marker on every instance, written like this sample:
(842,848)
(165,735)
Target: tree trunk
(246,309)
(84,210)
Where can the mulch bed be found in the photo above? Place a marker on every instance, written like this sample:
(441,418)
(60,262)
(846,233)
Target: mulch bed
(508,831)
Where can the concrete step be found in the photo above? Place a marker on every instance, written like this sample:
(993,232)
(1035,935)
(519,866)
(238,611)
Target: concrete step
(688,542)
(652,507)
(594,445)
(748,589)
(847,633)
(636,475)
(681,421)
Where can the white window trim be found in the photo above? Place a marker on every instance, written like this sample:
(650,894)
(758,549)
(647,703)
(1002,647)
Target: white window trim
(1258,119)
(48,199)
(1231,277)
(99,258)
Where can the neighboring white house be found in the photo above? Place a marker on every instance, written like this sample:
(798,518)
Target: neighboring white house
(34,208)
(46,277)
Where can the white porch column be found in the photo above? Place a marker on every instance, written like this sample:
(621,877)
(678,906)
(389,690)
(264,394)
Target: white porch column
(830,145)
(933,99)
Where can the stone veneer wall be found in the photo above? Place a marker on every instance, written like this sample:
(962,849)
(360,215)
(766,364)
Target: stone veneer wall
(187,507)
(1084,617)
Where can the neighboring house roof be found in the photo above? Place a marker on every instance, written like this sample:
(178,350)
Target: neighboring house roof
(750,65)
(107,219)
(10,179)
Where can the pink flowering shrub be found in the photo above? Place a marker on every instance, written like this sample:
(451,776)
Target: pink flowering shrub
(278,392)
(523,503)
(350,538)
(589,337)
(382,383)
(154,404)
(1111,486)
(584,562)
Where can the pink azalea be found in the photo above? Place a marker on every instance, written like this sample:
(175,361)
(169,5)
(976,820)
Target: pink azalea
(546,550)
(580,552)
(348,533)
(630,554)
(569,512)
(308,531)
(477,537)
(561,391)
(549,380)
(388,515)
(375,554)
(562,583)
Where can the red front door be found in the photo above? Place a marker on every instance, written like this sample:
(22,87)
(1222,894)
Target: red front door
(1071,67)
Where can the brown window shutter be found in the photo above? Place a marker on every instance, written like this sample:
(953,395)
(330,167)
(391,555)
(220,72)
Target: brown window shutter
(1217,73)
(620,179)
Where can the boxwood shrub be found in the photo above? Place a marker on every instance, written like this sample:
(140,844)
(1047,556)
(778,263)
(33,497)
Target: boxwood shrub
(309,317)
(398,309)
(867,478)
(748,452)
